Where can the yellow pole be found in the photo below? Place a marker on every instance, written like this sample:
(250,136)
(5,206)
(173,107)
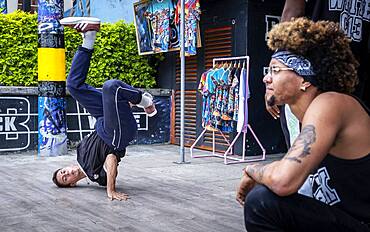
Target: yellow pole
(52,128)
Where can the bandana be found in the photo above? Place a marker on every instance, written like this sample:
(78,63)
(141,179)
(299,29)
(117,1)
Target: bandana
(299,64)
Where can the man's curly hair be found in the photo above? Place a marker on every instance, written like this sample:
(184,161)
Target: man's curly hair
(325,45)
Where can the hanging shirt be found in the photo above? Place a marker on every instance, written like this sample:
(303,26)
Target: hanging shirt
(234,83)
(192,17)
(158,13)
(226,96)
(243,104)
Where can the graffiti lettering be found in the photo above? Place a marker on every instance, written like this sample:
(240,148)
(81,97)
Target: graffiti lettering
(270,21)
(352,15)
(8,124)
(51,40)
(52,89)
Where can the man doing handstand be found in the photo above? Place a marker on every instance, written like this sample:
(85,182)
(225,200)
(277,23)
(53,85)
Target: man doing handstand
(99,153)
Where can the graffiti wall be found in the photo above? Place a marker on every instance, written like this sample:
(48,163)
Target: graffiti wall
(19,122)
(51,79)
(52,126)
(3,7)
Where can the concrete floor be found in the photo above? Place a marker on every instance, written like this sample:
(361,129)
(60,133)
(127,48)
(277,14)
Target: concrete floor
(165,197)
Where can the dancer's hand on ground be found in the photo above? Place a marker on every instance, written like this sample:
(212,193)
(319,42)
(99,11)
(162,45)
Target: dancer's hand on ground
(118,196)
(245,186)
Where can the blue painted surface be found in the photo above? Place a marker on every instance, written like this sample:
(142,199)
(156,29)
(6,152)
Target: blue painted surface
(52,126)
(79,8)
(113,10)
(107,10)
(49,14)
(3,7)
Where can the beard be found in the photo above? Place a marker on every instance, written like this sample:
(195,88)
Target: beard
(271,101)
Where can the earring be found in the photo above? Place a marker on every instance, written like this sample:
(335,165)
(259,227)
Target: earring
(303,88)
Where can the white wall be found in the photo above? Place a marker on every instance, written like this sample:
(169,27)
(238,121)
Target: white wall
(12,5)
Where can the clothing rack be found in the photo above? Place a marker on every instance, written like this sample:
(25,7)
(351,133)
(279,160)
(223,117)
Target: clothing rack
(228,155)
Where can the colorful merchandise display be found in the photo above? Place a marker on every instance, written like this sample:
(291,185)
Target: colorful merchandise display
(225,92)
(158,25)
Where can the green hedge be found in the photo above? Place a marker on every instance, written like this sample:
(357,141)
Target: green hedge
(115,55)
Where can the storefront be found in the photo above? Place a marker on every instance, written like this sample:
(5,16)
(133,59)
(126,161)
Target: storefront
(237,28)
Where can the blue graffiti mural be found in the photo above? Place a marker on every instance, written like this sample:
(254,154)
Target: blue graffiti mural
(144,33)
(49,14)
(79,8)
(3,7)
(52,126)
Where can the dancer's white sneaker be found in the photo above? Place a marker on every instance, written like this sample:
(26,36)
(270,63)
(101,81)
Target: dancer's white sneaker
(82,24)
(150,110)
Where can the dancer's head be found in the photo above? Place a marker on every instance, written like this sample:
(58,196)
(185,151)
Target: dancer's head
(67,176)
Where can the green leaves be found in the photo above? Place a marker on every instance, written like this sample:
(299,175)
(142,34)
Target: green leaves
(115,55)
(18,49)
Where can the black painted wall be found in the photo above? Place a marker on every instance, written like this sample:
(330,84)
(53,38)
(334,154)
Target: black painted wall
(18,122)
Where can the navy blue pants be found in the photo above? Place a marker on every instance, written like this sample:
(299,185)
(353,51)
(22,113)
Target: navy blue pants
(266,211)
(115,123)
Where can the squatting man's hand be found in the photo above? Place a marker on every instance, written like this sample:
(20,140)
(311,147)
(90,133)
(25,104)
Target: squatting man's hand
(118,196)
(245,186)
(273,110)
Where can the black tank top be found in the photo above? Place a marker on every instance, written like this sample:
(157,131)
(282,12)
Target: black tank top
(342,183)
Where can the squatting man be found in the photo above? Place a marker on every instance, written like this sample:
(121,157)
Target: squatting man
(323,182)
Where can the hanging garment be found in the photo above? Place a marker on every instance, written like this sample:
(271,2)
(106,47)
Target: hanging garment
(158,13)
(214,117)
(244,94)
(226,96)
(174,29)
(192,17)
(208,87)
(202,88)
(235,85)
(219,91)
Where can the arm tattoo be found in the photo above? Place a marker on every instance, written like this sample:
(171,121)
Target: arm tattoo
(256,172)
(302,144)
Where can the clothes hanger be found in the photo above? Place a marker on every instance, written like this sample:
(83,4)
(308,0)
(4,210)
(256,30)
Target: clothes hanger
(230,65)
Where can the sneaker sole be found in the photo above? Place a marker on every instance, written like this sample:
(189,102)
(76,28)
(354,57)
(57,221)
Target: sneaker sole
(79,20)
